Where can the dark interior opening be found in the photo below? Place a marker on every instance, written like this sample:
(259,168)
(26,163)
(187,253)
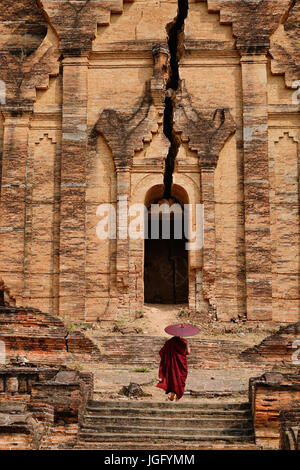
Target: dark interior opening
(2,303)
(166,267)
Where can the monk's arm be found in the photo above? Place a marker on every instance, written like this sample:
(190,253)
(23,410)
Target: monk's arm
(188,349)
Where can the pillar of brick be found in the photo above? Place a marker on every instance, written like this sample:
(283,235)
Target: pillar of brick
(208,200)
(73,186)
(122,261)
(256,185)
(209,247)
(42,224)
(13,199)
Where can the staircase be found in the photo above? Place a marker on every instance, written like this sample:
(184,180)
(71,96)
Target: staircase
(166,425)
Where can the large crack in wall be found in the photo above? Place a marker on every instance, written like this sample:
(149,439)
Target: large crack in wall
(175,31)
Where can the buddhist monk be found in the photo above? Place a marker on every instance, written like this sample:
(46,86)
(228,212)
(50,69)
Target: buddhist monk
(173,367)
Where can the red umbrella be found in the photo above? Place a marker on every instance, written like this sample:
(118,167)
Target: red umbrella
(182,329)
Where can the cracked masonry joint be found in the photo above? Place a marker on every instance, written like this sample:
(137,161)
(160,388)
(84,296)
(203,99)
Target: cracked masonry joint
(175,31)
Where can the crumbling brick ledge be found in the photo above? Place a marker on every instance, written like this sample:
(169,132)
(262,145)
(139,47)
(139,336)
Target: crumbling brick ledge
(42,338)
(270,394)
(40,407)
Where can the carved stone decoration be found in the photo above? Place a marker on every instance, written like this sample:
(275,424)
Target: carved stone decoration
(285,49)
(206,131)
(160,75)
(22,77)
(67,16)
(6,299)
(253,21)
(125,132)
(27,57)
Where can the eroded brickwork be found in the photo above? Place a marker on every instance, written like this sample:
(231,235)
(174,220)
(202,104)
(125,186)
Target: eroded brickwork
(41,407)
(271,395)
(35,337)
(289,429)
(282,348)
(115,100)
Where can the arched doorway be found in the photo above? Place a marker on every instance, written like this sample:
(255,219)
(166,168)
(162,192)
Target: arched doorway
(166,272)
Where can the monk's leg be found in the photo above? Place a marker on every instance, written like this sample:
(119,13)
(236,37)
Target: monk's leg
(170,397)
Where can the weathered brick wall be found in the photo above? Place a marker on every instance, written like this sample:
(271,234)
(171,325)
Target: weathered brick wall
(83,124)
(41,408)
(269,395)
(283,347)
(41,338)
(141,350)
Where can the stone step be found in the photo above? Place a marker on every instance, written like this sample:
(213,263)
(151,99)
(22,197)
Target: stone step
(100,421)
(168,431)
(167,405)
(128,421)
(158,435)
(161,444)
(196,361)
(169,413)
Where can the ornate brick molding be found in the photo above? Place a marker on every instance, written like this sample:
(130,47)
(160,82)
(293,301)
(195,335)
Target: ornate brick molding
(126,131)
(205,130)
(285,49)
(66,17)
(27,56)
(252,21)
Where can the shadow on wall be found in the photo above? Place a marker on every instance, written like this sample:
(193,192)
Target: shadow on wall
(6,299)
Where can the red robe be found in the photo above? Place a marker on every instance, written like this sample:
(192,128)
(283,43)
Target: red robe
(173,367)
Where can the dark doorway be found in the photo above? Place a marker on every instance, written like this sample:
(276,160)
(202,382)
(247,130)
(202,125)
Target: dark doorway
(2,303)
(165,268)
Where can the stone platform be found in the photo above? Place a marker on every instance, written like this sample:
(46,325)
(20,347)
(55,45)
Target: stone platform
(42,338)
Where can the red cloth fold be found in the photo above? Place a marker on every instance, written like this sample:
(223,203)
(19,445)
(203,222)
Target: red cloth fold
(173,367)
